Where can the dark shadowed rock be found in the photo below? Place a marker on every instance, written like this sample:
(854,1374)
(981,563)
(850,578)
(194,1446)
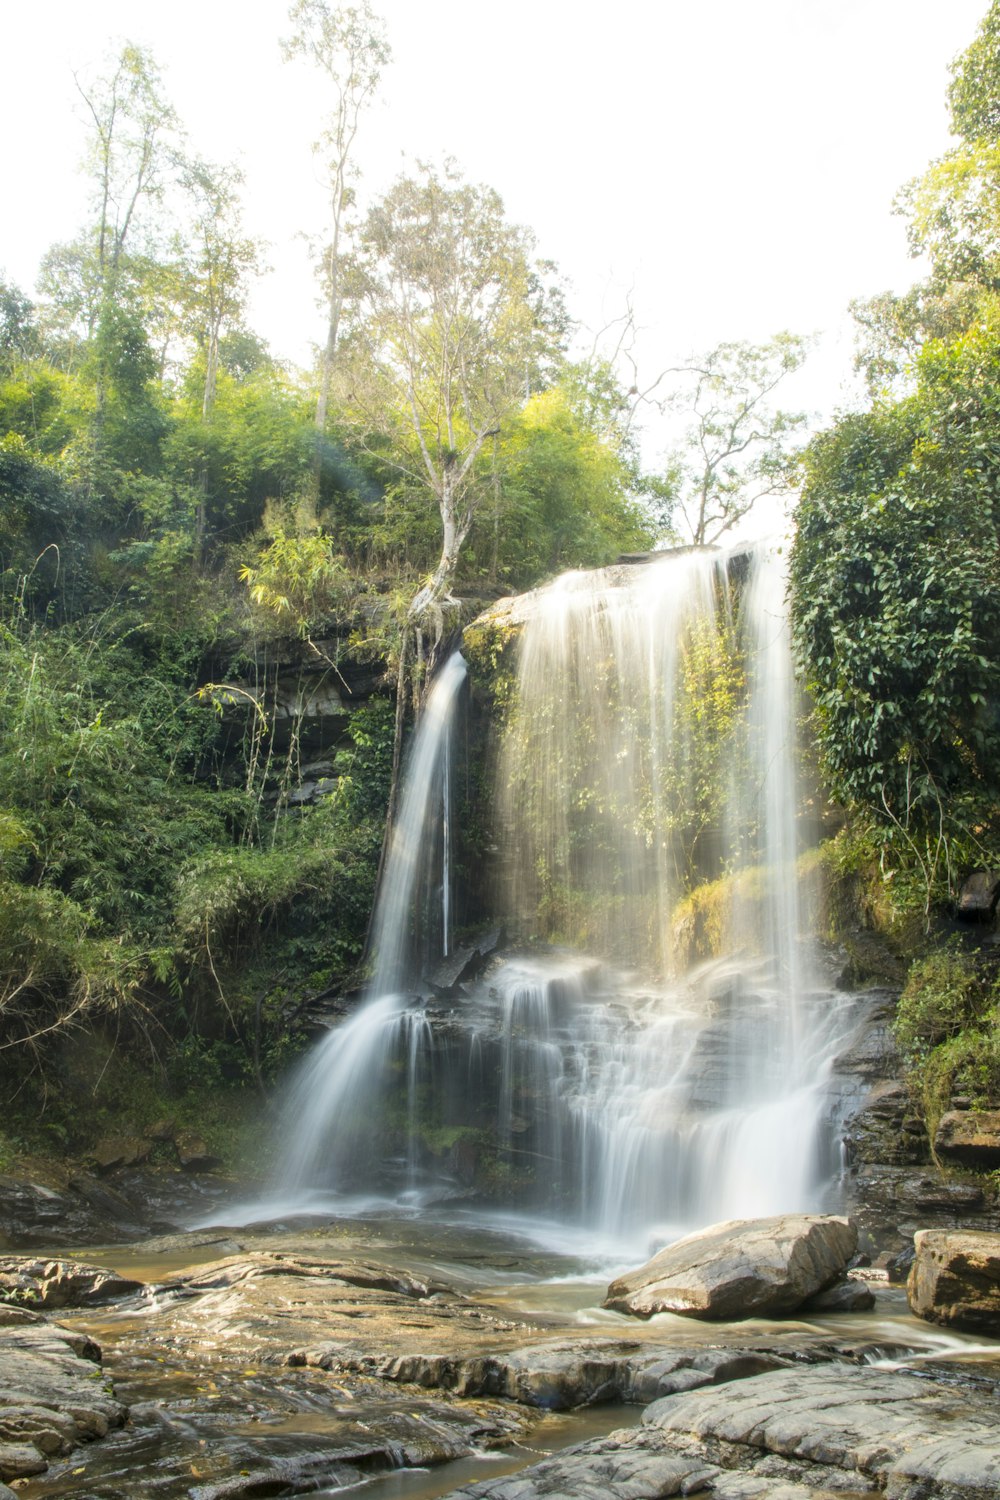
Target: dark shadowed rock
(448,973)
(120,1151)
(848,1296)
(740,1269)
(890,1204)
(955,1279)
(873,1053)
(970,1137)
(977,901)
(885,1128)
(193,1154)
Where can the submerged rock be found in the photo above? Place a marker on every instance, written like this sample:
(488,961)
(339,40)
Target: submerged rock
(955,1279)
(740,1269)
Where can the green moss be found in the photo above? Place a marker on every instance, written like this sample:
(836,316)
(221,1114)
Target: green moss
(703,923)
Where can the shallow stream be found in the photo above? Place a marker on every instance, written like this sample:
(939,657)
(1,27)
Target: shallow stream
(219,1422)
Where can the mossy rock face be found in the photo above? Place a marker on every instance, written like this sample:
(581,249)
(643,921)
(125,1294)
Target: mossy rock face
(723,915)
(870,963)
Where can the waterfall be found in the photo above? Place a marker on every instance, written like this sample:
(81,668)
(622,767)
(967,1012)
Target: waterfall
(647,812)
(424,815)
(350,1078)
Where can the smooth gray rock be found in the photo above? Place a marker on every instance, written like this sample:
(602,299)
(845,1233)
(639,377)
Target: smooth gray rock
(915,1439)
(740,1269)
(51,1396)
(955,1279)
(603,1470)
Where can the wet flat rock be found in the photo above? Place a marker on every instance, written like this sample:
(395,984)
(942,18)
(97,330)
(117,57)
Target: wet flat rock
(53,1395)
(204,1352)
(264,1305)
(566,1373)
(787,1435)
(635,1466)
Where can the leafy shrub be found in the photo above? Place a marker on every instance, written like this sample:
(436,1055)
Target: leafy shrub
(944,995)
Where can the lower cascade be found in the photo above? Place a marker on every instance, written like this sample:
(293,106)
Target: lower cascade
(656,1048)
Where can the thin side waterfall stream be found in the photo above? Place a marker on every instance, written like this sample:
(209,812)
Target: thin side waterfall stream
(605,1074)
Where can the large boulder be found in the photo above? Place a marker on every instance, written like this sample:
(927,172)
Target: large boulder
(743,1268)
(955,1279)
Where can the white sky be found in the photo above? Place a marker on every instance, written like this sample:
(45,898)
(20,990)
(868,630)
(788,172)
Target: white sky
(731,165)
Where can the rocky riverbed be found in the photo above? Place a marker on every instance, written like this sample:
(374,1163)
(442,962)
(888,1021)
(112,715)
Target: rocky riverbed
(309,1359)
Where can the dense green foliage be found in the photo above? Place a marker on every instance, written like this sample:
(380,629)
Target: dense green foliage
(190,535)
(896,597)
(896,563)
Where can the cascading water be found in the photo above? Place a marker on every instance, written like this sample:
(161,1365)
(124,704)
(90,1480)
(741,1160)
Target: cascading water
(360,1070)
(648,753)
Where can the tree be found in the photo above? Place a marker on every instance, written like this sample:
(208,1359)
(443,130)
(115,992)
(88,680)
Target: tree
(954,207)
(562,494)
(450,331)
(896,603)
(131,151)
(100,284)
(348,44)
(219,262)
(736,447)
(18,334)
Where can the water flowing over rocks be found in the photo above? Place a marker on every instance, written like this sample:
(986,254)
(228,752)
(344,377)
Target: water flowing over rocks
(740,1269)
(955,1280)
(565,1374)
